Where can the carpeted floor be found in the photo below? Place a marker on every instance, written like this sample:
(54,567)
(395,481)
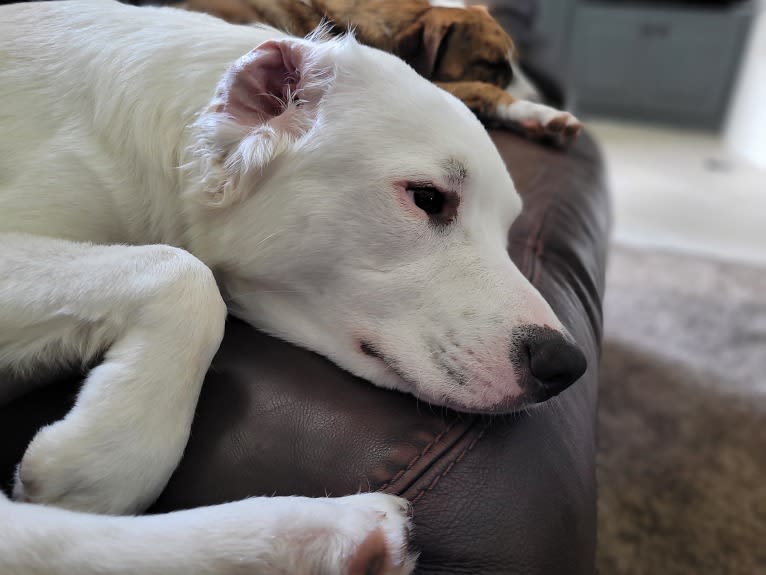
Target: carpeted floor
(682,415)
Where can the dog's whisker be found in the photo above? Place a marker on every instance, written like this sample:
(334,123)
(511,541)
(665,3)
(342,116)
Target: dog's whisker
(264,240)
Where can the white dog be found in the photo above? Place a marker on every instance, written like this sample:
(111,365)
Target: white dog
(153,166)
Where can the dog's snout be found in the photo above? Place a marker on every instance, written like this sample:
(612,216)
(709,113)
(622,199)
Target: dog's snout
(555,363)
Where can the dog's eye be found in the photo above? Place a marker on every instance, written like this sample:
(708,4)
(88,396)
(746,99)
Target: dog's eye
(429,199)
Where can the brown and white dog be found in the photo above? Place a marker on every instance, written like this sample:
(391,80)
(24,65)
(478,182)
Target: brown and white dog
(461,48)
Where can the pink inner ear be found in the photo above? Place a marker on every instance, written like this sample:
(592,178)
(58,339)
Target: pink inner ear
(259,86)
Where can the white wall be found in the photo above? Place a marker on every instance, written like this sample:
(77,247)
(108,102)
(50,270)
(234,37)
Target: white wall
(746,124)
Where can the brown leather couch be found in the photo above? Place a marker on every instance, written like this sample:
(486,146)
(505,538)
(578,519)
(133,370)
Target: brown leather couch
(511,494)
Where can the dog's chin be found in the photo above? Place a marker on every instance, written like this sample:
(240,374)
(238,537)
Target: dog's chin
(507,407)
(392,380)
(383,373)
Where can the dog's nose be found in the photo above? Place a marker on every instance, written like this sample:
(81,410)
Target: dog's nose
(554,364)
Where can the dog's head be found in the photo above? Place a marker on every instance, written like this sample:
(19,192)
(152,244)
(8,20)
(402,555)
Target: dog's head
(458,44)
(351,207)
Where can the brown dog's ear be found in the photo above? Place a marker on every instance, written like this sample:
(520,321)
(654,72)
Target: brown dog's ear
(419,44)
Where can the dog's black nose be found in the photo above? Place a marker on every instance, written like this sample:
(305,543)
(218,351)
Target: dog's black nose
(554,363)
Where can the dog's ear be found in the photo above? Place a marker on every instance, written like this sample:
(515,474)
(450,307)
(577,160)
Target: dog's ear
(265,102)
(263,84)
(420,44)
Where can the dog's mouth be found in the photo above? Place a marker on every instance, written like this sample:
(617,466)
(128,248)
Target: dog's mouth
(405,383)
(372,351)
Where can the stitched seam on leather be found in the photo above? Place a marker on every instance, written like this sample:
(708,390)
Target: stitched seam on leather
(411,463)
(534,247)
(452,464)
(539,246)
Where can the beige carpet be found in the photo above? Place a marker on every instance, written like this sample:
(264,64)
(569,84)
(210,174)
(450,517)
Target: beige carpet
(682,456)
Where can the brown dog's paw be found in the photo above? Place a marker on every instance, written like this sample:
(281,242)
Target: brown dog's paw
(540,120)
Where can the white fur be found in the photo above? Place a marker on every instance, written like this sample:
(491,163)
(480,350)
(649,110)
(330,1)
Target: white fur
(447,3)
(113,148)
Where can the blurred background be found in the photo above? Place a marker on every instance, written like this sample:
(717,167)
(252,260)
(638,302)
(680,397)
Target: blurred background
(675,92)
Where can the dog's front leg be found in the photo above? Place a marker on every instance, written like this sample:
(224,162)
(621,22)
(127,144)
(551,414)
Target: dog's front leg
(156,315)
(495,106)
(361,534)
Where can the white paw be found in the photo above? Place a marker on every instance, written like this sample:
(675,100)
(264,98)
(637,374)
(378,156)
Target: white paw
(365,534)
(539,119)
(79,465)
(381,535)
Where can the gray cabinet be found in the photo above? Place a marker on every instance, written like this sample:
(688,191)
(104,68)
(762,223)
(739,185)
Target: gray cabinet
(650,62)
